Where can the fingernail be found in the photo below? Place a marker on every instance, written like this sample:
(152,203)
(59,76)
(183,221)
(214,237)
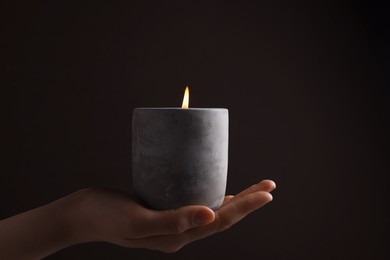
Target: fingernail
(271,197)
(202,217)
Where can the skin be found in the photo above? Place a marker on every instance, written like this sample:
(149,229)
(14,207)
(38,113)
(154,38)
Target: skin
(105,215)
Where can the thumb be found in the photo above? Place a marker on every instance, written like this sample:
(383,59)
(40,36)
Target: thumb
(179,220)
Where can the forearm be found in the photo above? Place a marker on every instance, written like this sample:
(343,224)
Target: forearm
(37,233)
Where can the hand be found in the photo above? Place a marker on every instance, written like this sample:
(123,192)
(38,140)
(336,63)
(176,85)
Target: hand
(105,215)
(115,217)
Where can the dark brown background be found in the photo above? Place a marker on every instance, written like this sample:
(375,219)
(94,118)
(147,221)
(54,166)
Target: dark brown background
(305,84)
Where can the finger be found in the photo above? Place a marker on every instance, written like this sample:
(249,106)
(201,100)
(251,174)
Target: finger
(233,212)
(239,207)
(225,218)
(227,199)
(264,185)
(175,221)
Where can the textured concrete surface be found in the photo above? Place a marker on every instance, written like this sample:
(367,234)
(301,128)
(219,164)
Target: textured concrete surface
(180,156)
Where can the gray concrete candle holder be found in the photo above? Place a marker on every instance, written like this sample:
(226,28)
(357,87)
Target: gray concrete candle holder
(180,156)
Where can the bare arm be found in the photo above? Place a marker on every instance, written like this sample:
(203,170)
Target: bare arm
(38,232)
(115,217)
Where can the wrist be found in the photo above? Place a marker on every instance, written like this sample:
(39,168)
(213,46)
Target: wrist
(71,220)
(74,218)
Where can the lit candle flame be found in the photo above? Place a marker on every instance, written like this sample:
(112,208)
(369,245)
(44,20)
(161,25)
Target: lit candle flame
(186,98)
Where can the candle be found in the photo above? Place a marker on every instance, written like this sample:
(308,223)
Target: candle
(180,155)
